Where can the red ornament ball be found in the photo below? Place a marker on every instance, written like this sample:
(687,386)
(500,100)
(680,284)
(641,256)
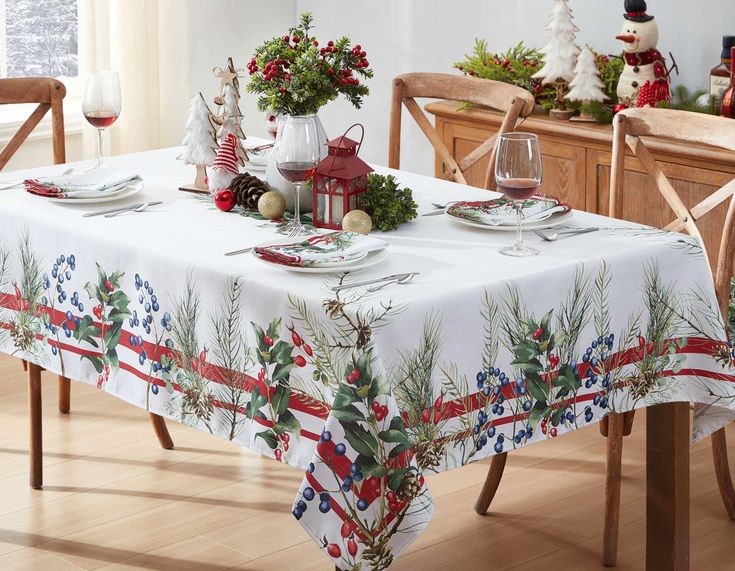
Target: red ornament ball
(618,108)
(225,200)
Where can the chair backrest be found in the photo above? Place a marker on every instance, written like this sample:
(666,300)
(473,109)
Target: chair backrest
(515,102)
(49,94)
(687,127)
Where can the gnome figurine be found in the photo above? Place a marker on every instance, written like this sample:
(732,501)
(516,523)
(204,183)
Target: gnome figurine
(225,165)
(645,79)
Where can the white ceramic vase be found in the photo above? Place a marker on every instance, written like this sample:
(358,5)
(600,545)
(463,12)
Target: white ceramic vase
(277,182)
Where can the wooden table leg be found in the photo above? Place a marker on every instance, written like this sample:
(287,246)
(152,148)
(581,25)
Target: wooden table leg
(64,395)
(668,435)
(35,449)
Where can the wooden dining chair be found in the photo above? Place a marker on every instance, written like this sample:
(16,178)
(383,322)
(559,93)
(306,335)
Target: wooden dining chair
(516,103)
(48,94)
(629,126)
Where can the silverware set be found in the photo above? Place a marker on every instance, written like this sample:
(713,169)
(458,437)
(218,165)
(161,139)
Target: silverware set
(292,234)
(399,279)
(563,232)
(109,213)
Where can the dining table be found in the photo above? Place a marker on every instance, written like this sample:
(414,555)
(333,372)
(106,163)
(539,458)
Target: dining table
(369,387)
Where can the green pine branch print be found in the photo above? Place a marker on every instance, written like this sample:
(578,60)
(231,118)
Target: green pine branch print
(27,324)
(230,352)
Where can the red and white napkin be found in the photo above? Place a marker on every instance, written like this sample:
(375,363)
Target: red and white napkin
(90,184)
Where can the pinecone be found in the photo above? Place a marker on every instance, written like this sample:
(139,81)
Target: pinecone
(379,554)
(248,189)
(429,454)
(410,487)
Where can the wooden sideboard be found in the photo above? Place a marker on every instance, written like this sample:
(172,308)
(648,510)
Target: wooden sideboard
(577,160)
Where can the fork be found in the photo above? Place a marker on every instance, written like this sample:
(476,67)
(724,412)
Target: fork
(401,280)
(569,232)
(9,185)
(140,208)
(292,234)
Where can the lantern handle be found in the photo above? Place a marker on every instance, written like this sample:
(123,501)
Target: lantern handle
(359,145)
(362,136)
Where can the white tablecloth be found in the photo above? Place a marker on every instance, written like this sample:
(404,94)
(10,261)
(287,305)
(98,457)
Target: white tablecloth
(480,354)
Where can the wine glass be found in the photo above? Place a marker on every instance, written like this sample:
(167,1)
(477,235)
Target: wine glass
(297,152)
(518,172)
(102,103)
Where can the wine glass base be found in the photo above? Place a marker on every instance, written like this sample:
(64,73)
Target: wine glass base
(522,252)
(296,229)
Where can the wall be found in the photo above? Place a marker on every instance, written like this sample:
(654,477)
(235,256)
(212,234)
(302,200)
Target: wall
(407,35)
(429,35)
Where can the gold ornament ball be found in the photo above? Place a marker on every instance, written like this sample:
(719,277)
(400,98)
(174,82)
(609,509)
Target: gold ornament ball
(272,205)
(357,221)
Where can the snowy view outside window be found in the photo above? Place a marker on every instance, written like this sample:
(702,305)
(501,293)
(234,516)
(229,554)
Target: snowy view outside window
(41,39)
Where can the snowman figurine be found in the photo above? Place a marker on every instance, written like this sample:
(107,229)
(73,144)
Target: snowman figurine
(645,79)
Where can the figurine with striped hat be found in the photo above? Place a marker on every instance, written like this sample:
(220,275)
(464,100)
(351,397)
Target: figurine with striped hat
(225,165)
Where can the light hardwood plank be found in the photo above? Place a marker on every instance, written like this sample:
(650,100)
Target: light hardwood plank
(115,500)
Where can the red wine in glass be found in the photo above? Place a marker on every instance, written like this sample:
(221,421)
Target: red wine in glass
(518,189)
(296,171)
(101,119)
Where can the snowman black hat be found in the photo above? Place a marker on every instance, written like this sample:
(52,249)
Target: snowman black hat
(636,11)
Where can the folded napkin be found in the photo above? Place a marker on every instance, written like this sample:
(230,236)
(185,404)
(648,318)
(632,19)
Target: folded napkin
(321,249)
(501,212)
(82,185)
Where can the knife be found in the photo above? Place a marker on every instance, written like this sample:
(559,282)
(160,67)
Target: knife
(120,209)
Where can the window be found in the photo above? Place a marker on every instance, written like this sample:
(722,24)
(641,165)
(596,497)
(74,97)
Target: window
(40,40)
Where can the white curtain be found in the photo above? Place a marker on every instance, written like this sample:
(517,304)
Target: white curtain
(146,42)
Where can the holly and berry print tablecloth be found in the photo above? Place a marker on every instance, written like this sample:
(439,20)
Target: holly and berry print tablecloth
(367,392)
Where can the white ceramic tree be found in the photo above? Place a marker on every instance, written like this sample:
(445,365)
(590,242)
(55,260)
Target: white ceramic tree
(560,54)
(586,85)
(200,143)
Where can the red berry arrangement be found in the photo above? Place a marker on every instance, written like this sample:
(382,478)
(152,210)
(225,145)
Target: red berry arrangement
(295,75)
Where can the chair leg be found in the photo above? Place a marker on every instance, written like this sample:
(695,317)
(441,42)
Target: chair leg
(159,427)
(492,481)
(34,414)
(64,394)
(722,471)
(615,431)
(628,418)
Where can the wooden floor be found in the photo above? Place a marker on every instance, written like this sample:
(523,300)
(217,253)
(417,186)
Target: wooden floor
(114,500)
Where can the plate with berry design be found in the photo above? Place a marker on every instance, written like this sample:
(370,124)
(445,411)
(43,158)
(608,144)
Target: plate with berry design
(500,214)
(112,196)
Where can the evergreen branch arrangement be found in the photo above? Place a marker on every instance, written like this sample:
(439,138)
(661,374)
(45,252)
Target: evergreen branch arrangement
(518,65)
(293,75)
(388,205)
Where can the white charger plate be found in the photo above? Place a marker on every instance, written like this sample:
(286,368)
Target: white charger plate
(371,259)
(556,219)
(124,192)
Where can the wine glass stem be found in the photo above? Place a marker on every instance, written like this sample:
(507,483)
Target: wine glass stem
(100,162)
(519,236)
(296,207)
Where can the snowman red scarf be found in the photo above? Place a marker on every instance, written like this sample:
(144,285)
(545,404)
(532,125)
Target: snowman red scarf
(651,93)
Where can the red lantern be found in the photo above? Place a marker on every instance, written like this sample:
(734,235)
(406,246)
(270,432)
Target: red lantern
(339,181)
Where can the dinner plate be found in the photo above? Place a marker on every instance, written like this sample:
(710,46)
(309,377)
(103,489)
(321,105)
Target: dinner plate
(369,260)
(124,192)
(254,167)
(556,219)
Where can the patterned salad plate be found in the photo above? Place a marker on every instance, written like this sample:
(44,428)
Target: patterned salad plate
(321,254)
(125,192)
(499,215)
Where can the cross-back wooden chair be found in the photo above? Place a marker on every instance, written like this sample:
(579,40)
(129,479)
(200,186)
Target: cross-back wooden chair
(629,126)
(48,94)
(515,102)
